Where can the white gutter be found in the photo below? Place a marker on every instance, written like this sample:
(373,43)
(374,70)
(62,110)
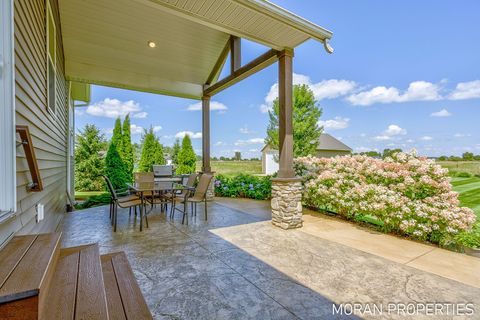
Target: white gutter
(280,14)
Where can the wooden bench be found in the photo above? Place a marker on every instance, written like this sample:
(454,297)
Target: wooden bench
(38,280)
(124,298)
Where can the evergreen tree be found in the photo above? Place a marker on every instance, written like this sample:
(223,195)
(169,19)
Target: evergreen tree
(175,151)
(115,168)
(186,157)
(152,152)
(117,137)
(127,149)
(306,114)
(88,162)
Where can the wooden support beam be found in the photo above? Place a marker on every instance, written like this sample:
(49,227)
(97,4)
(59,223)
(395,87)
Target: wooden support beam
(285,101)
(243,72)
(217,68)
(235,54)
(206,168)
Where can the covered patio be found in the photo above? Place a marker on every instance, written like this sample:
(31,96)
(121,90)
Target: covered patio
(180,49)
(237,265)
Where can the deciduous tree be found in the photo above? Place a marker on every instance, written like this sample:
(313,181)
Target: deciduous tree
(306,131)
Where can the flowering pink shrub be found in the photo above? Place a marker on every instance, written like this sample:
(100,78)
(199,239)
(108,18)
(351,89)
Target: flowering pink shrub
(411,195)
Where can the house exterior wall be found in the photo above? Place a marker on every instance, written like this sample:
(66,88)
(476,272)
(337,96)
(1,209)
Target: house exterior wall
(48,131)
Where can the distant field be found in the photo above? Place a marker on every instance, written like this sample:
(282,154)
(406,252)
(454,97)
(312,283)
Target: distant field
(234,167)
(472,167)
(469,189)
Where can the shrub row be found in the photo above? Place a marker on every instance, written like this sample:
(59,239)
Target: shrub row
(411,195)
(243,186)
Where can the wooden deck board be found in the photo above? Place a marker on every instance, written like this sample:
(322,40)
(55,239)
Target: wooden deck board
(133,301)
(114,301)
(61,296)
(12,253)
(91,299)
(32,272)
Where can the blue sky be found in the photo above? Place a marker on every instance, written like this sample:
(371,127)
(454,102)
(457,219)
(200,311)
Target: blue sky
(404,74)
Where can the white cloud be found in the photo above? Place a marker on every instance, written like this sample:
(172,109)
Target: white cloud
(134,129)
(466,90)
(245,130)
(441,113)
(325,89)
(78,112)
(409,141)
(391,131)
(214,106)
(114,108)
(220,143)
(140,115)
(249,141)
(382,138)
(394,130)
(462,135)
(157,128)
(426,138)
(334,124)
(192,135)
(417,91)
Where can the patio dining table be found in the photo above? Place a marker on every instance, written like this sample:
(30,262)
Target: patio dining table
(157,187)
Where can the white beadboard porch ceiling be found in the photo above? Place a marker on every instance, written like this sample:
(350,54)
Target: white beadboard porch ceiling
(105,41)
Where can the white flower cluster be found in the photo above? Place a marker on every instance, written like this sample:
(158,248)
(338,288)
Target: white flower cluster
(411,195)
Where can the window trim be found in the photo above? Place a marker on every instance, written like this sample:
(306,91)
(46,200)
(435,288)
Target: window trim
(8,201)
(49,59)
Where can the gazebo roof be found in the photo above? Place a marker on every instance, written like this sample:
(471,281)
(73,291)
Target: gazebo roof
(106,41)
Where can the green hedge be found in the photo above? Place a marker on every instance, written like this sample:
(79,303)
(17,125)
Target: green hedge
(243,186)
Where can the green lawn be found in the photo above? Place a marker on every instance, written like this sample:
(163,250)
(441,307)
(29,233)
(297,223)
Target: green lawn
(82,195)
(231,168)
(469,189)
(472,167)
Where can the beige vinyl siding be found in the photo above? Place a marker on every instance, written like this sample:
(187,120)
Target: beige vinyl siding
(49,132)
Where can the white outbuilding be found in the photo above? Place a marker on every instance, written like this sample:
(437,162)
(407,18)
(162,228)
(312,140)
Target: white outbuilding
(328,147)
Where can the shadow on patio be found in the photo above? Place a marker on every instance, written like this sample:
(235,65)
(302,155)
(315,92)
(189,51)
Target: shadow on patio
(238,266)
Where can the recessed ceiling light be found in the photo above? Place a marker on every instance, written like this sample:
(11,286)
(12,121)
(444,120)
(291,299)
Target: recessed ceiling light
(151,44)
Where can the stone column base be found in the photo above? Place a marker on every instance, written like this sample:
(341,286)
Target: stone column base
(287,203)
(211,190)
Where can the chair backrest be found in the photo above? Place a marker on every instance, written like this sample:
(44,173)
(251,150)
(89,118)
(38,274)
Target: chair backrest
(191,180)
(202,187)
(143,176)
(113,194)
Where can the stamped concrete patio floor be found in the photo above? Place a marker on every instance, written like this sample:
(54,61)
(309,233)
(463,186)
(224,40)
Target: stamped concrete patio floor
(237,265)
